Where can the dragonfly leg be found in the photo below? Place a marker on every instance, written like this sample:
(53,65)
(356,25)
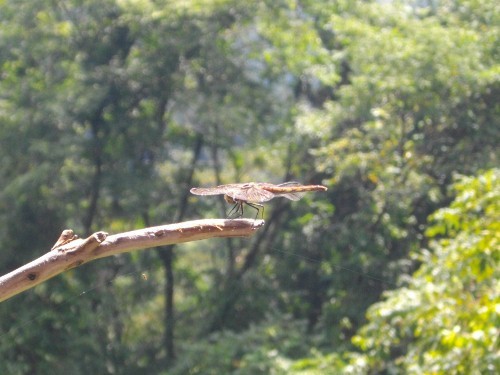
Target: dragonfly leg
(256,207)
(237,210)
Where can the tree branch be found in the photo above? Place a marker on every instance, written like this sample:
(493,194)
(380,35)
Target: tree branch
(70,251)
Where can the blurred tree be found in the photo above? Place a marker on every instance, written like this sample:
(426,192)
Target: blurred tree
(411,104)
(111,110)
(116,101)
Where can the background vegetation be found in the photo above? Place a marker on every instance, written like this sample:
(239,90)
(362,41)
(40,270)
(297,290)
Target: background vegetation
(111,110)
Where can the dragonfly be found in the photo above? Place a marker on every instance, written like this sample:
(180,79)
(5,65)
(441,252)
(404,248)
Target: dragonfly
(255,193)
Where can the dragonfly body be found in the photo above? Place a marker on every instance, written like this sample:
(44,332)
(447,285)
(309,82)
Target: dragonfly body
(254,193)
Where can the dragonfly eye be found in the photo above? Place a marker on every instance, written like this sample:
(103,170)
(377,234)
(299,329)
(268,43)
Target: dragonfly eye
(229,199)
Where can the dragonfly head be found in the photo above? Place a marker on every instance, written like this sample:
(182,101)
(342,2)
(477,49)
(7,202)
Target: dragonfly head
(229,199)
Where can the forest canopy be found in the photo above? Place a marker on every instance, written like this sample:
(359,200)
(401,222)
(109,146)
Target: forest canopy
(110,111)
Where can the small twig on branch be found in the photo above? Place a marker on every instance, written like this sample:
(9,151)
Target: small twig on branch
(70,251)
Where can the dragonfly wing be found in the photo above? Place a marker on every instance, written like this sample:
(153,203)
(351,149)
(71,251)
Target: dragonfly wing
(258,192)
(242,192)
(208,191)
(294,196)
(290,184)
(250,193)
(291,196)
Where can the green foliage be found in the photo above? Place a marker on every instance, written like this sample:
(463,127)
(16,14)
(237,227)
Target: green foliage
(446,320)
(415,97)
(111,110)
(266,348)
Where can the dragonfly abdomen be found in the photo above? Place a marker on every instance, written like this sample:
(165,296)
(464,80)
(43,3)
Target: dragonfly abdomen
(294,189)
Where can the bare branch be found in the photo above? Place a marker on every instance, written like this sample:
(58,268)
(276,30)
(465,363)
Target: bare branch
(70,251)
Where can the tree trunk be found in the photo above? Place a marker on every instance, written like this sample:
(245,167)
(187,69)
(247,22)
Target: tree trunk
(167,257)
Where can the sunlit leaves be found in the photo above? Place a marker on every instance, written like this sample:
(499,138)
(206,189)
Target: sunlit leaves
(451,304)
(295,42)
